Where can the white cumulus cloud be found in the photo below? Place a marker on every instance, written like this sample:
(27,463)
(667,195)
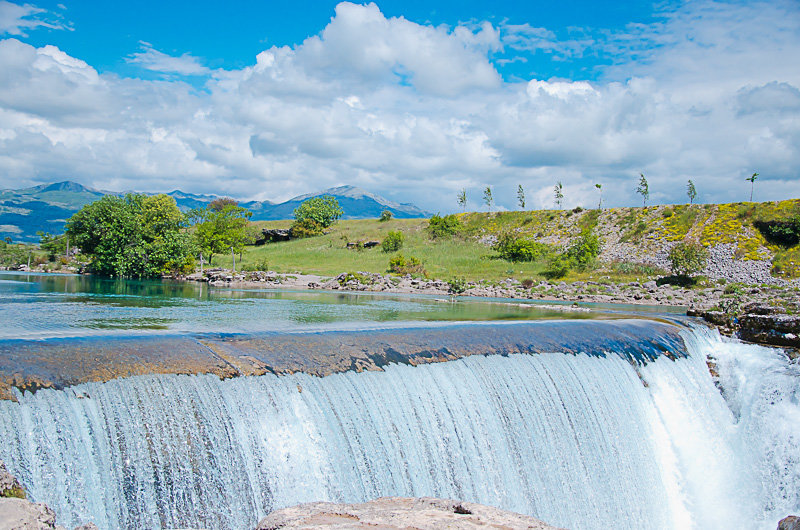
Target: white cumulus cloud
(418,112)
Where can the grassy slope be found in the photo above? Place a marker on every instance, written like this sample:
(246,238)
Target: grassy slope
(644,228)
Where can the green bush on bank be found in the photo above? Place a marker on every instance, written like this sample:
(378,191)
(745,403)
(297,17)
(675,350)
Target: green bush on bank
(442,227)
(513,248)
(393,241)
(400,264)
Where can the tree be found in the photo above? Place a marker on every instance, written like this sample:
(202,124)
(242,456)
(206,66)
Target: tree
(53,245)
(600,189)
(314,215)
(221,227)
(487,197)
(643,189)
(691,192)
(558,194)
(462,199)
(386,215)
(133,236)
(752,180)
(521,196)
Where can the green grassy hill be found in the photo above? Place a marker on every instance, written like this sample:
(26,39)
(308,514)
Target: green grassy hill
(630,236)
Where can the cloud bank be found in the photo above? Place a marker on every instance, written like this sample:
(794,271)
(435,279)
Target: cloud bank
(710,92)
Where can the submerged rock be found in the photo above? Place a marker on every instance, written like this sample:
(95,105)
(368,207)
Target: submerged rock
(398,512)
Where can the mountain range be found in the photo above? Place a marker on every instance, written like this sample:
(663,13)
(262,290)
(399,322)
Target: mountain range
(46,207)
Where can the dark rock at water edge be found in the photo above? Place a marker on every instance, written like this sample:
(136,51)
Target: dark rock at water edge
(791,522)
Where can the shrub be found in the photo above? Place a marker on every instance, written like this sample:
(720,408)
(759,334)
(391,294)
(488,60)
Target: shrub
(785,233)
(306,228)
(687,258)
(399,264)
(262,265)
(557,267)
(527,283)
(513,248)
(386,215)
(393,241)
(584,250)
(447,226)
(457,285)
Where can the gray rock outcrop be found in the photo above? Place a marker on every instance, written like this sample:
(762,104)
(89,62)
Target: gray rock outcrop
(390,513)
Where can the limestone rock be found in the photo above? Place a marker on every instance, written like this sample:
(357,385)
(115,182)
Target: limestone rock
(791,522)
(9,485)
(20,514)
(391,513)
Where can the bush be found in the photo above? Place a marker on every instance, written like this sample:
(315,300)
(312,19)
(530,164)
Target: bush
(306,228)
(262,265)
(557,267)
(447,226)
(393,241)
(457,285)
(785,233)
(401,265)
(386,215)
(513,248)
(527,283)
(678,280)
(687,258)
(584,250)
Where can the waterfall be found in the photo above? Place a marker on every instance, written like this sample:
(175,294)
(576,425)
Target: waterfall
(579,441)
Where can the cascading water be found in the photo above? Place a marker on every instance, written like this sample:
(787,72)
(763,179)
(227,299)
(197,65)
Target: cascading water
(579,441)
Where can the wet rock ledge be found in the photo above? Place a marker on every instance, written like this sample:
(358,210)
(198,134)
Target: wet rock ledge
(31,365)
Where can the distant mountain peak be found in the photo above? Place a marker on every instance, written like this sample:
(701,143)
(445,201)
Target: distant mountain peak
(67,185)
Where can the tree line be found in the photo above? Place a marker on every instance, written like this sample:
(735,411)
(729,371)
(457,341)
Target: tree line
(141,236)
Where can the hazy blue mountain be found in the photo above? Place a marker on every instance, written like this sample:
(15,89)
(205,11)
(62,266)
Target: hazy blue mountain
(46,208)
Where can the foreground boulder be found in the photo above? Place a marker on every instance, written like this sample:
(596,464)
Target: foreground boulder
(791,522)
(398,512)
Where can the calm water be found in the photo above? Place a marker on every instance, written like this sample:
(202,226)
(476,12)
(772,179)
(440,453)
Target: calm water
(51,305)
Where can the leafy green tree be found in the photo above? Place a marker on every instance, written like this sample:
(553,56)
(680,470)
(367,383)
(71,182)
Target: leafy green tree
(54,245)
(600,190)
(558,193)
(752,180)
(220,227)
(487,198)
(691,192)
(132,236)
(315,215)
(521,197)
(462,199)
(513,248)
(643,189)
(386,215)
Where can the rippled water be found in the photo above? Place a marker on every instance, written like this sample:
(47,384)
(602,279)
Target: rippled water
(51,305)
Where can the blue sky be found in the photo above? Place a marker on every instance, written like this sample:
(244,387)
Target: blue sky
(413,100)
(229,35)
